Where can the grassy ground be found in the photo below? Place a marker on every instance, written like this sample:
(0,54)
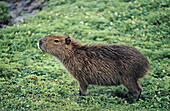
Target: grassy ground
(33,80)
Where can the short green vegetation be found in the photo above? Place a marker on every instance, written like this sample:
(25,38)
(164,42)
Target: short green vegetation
(33,80)
(4,13)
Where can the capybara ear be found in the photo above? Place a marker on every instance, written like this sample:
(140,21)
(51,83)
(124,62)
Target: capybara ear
(67,40)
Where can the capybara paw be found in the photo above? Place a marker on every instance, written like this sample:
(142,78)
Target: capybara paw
(80,99)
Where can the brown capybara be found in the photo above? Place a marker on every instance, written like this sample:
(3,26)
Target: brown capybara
(98,64)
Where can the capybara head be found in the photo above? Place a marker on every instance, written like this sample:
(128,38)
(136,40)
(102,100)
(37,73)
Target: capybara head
(54,44)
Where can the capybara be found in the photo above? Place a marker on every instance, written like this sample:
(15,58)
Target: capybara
(103,65)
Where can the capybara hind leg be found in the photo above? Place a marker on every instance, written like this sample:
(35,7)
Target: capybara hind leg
(135,89)
(82,92)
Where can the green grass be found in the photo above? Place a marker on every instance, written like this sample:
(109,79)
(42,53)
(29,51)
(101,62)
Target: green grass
(5,15)
(33,80)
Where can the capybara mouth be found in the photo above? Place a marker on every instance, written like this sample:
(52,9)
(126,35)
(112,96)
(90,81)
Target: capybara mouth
(41,48)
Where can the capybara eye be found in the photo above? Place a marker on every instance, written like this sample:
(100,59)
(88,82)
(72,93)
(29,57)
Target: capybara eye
(56,41)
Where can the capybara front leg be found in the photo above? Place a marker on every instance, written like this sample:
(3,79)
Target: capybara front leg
(82,92)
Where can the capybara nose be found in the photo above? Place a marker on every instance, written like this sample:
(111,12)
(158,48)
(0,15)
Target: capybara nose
(40,42)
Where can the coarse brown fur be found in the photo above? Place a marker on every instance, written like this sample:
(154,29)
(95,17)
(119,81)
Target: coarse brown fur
(98,64)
